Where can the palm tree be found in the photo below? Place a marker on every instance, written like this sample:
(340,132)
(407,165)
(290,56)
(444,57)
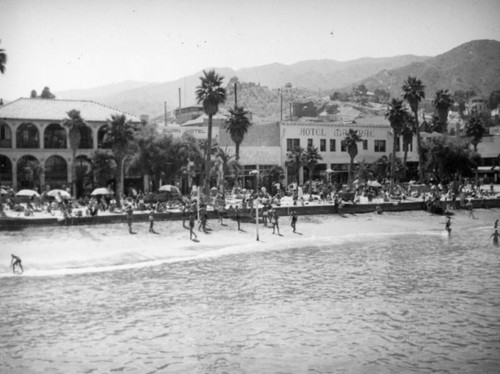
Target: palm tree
(211,94)
(295,159)
(3,60)
(351,142)
(237,126)
(311,158)
(74,123)
(442,102)
(475,130)
(120,136)
(273,175)
(413,93)
(396,114)
(407,133)
(222,161)
(363,172)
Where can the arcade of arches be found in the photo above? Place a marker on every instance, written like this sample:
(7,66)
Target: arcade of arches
(26,160)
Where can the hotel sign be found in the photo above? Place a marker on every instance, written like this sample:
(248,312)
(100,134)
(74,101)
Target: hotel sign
(198,132)
(325,132)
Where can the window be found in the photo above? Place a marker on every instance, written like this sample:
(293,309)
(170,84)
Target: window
(409,147)
(332,145)
(322,145)
(397,144)
(343,146)
(291,144)
(309,143)
(379,145)
(365,145)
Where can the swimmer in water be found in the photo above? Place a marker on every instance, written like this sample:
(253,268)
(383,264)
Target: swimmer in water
(16,261)
(496,224)
(495,236)
(448,224)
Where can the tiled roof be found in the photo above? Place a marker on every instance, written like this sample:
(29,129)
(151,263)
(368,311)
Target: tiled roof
(372,120)
(199,121)
(56,110)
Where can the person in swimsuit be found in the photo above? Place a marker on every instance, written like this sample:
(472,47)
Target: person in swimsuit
(16,261)
(294,220)
(192,220)
(495,236)
(129,213)
(448,224)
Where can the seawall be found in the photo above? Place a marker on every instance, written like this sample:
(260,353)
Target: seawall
(12,223)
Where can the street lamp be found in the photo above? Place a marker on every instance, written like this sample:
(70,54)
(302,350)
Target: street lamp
(256,174)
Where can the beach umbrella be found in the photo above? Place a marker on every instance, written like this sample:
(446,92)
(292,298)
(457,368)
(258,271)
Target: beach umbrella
(101,191)
(169,188)
(373,184)
(329,171)
(27,192)
(56,192)
(3,192)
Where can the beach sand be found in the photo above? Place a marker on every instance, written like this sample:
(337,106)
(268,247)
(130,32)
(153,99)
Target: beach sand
(78,249)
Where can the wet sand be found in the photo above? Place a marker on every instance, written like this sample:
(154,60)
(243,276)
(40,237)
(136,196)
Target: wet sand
(73,249)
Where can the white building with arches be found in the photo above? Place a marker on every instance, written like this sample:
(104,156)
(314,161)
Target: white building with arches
(34,145)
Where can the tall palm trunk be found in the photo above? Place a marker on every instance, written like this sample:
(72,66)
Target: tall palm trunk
(419,150)
(349,175)
(208,154)
(119,181)
(393,161)
(73,173)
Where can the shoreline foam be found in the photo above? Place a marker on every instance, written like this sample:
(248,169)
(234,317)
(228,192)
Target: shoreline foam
(64,250)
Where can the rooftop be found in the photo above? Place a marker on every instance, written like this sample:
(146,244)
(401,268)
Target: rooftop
(56,110)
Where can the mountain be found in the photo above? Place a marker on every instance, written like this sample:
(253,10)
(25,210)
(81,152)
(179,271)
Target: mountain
(471,66)
(314,75)
(99,92)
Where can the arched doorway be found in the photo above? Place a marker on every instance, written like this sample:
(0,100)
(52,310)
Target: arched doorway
(28,173)
(101,133)
(84,176)
(56,172)
(54,137)
(5,136)
(27,136)
(5,171)
(86,138)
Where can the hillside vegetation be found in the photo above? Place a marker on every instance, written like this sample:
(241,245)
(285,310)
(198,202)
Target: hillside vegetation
(473,66)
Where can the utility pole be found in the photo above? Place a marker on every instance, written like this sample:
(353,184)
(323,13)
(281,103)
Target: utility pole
(235,96)
(166,113)
(290,111)
(180,106)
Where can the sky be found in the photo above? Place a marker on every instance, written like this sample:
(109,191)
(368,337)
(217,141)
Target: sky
(70,44)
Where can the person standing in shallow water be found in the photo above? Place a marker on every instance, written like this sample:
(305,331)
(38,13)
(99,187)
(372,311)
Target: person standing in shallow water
(16,261)
(495,236)
(448,224)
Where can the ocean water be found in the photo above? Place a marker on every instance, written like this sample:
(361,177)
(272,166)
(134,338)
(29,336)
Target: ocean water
(413,303)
